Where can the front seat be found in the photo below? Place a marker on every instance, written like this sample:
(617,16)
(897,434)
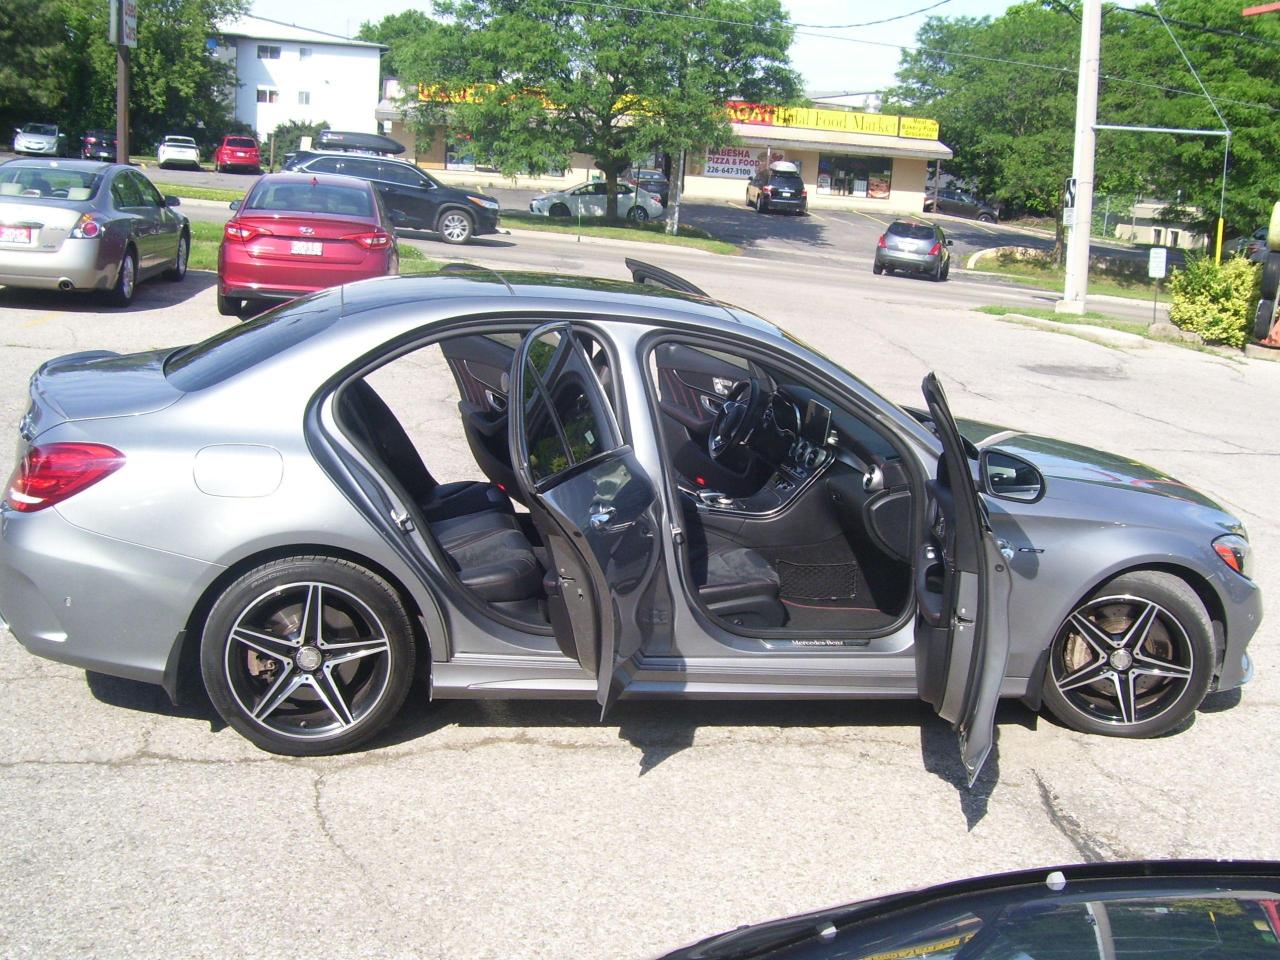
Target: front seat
(370,417)
(737,584)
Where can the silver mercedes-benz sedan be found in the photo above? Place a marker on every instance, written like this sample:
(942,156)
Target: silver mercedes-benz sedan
(81,225)
(669,497)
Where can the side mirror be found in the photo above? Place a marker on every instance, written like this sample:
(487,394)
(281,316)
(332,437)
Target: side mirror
(235,204)
(951,243)
(172,202)
(1011,478)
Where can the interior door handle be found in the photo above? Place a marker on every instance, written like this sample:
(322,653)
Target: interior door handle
(711,405)
(600,516)
(496,400)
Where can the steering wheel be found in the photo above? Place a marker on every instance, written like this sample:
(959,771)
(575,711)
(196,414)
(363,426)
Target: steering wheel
(737,419)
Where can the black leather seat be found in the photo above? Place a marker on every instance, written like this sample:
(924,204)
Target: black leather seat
(491,556)
(368,415)
(737,584)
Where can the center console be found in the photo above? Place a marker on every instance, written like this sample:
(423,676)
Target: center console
(801,466)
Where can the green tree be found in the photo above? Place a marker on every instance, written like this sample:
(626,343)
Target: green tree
(287,137)
(535,80)
(395,30)
(31,67)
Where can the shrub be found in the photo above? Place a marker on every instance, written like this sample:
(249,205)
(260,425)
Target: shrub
(1215,300)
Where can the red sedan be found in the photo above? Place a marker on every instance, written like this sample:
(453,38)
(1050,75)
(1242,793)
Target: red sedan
(237,152)
(297,233)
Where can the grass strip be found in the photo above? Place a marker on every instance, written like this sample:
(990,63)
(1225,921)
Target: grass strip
(1053,278)
(650,232)
(1091,318)
(185,192)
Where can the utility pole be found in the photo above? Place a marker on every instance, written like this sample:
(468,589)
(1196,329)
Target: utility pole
(122,32)
(1077,279)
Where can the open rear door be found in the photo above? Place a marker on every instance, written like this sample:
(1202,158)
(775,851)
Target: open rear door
(593,505)
(962,591)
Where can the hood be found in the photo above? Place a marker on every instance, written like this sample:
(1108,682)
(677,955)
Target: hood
(1072,461)
(96,385)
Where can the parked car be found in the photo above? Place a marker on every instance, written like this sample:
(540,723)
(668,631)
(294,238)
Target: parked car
(960,203)
(778,188)
(591,199)
(40,139)
(237,152)
(80,225)
(1254,246)
(98,145)
(913,246)
(414,199)
(714,510)
(295,234)
(178,151)
(1121,911)
(653,181)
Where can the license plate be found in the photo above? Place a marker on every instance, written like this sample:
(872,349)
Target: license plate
(307,248)
(15,234)
(784,193)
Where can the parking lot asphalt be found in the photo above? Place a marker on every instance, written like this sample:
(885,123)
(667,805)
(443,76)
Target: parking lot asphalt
(531,829)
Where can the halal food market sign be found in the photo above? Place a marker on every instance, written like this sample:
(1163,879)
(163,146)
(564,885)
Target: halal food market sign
(843,121)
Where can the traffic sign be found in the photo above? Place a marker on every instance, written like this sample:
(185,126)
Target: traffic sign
(1157,262)
(1069,194)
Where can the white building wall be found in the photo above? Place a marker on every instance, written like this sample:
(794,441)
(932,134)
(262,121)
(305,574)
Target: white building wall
(341,83)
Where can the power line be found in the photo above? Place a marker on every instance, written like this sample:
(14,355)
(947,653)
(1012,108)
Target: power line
(1202,27)
(606,4)
(868,23)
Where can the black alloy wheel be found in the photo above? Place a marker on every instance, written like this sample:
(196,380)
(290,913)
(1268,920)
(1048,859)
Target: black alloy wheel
(638,214)
(986,218)
(1134,660)
(558,210)
(308,655)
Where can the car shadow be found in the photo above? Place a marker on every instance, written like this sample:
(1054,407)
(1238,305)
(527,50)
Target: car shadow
(488,240)
(154,294)
(150,698)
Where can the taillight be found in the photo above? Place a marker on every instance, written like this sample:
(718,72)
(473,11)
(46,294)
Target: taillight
(880,242)
(766,190)
(377,240)
(86,228)
(238,230)
(935,249)
(51,473)
(804,193)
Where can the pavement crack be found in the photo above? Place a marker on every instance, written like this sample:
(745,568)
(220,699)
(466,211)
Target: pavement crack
(1091,847)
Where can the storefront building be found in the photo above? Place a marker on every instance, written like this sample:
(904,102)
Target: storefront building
(848,159)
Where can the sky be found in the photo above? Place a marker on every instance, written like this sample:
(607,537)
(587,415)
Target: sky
(857,60)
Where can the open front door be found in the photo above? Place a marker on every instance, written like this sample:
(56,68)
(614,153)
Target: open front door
(962,591)
(593,505)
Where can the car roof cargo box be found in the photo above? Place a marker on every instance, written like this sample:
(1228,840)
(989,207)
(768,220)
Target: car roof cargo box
(783,166)
(357,142)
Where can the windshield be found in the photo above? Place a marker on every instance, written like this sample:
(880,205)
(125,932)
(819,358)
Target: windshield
(180,141)
(47,183)
(301,196)
(41,129)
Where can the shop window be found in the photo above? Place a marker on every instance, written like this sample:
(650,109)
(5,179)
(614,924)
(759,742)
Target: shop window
(851,176)
(304,53)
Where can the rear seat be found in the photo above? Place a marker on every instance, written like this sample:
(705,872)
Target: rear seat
(491,556)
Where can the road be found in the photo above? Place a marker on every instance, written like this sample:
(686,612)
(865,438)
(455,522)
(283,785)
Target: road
(478,830)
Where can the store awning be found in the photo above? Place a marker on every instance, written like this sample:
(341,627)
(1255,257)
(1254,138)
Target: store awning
(840,141)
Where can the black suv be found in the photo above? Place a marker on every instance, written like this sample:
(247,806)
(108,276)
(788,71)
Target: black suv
(414,199)
(777,189)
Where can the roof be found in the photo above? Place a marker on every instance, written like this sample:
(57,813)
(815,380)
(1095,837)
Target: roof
(260,28)
(824,140)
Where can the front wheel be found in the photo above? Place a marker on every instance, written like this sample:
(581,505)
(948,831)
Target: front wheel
(638,214)
(455,226)
(986,218)
(308,655)
(558,210)
(1133,660)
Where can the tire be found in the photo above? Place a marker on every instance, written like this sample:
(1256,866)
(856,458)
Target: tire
(638,214)
(1271,277)
(229,306)
(300,693)
(946,271)
(986,218)
(179,269)
(558,210)
(937,276)
(455,226)
(126,284)
(1098,678)
(877,267)
(762,205)
(749,203)
(1263,318)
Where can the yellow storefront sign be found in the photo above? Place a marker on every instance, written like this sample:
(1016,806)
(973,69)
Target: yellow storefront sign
(842,121)
(918,128)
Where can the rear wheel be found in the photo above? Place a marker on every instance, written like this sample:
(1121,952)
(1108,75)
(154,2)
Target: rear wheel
(1133,660)
(558,210)
(762,205)
(229,306)
(986,218)
(308,655)
(455,226)
(121,294)
(877,268)
(638,214)
(1263,319)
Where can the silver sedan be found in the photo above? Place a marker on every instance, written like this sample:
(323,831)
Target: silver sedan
(82,225)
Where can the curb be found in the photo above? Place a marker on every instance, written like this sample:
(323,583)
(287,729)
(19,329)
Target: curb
(1103,335)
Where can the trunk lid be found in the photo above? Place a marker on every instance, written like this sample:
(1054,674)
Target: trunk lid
(36,226)
(96,385)
(305,240)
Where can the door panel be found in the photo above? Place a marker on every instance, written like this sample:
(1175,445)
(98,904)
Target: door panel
(962,589)
(596,509)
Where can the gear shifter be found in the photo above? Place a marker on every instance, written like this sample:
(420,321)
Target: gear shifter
(714,498)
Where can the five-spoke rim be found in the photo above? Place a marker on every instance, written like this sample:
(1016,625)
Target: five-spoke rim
(1122,660)
(455,226)
(308,660)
